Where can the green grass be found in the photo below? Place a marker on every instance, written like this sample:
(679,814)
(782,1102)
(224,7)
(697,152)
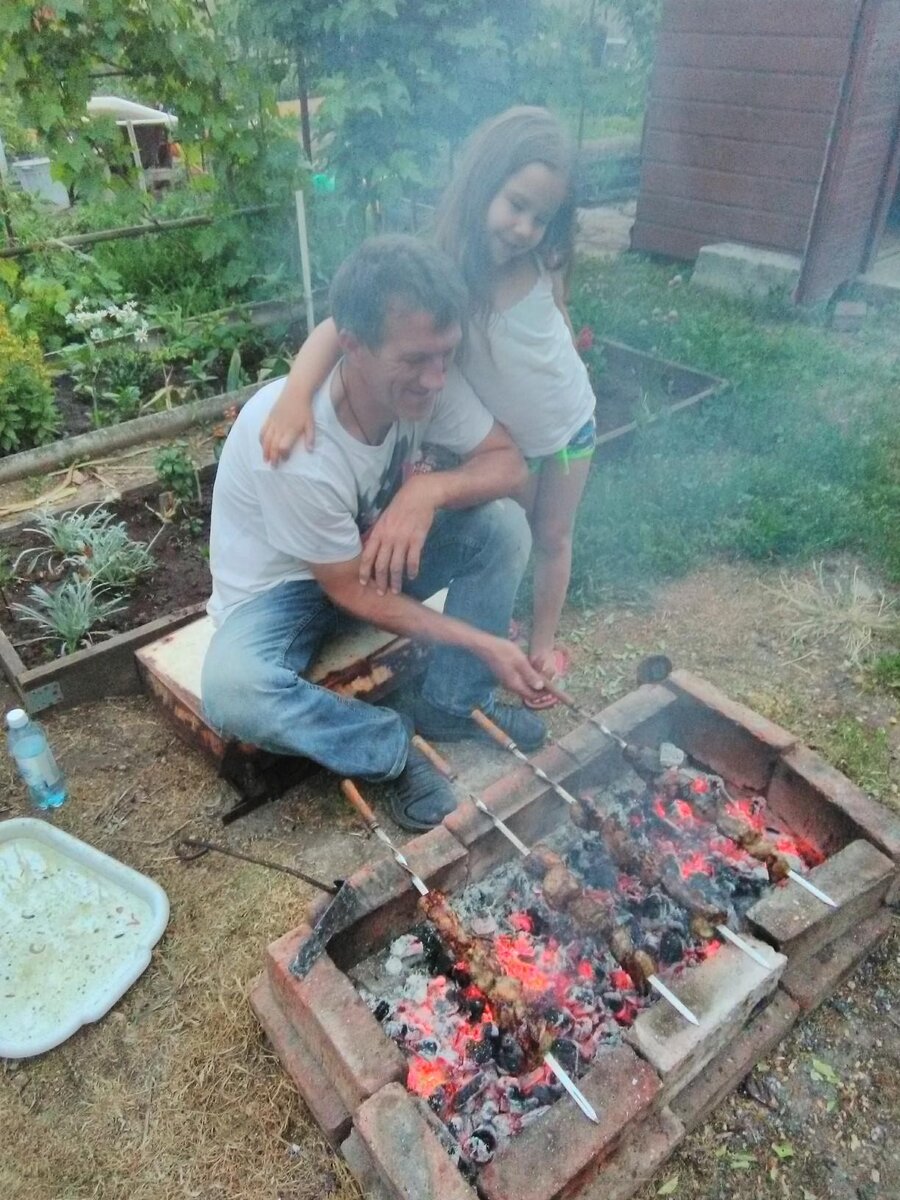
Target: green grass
(884,672)
(800,458)
(859,752)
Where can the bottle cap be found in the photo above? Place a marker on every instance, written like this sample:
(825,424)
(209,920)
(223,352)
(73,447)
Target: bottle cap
(17,718)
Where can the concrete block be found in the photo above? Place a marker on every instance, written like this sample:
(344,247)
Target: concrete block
(639,1156)
(812,980)
(746,271)
(721,992)
(856,878)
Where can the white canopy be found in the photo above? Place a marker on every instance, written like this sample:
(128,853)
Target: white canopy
(126,112)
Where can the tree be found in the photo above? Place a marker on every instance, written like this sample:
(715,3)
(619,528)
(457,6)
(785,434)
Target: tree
(53,56)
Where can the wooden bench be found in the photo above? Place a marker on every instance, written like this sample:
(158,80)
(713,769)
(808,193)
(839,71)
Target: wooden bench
(364,662)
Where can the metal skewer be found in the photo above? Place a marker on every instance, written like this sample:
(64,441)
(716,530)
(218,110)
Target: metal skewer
(352,793)
(443,767)
(566,699)
(504,740)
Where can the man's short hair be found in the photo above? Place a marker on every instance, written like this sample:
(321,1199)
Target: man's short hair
(396,272)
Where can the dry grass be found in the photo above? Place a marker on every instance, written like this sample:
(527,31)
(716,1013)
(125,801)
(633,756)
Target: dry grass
(832,607)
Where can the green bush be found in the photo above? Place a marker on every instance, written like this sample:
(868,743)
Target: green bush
(28,414)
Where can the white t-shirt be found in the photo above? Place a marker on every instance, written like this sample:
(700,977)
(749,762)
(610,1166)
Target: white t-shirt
(528,373)
(270,523)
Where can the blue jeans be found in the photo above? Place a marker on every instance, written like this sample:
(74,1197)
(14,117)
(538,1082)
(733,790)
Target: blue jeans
(252,684)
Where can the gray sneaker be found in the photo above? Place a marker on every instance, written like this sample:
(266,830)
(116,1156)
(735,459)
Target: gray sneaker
(420,798)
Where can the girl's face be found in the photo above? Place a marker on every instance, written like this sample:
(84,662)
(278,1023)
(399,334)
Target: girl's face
(519,214)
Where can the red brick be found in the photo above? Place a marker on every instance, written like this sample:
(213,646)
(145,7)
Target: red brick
(411,1162)
(865,817)
(641,714)
(312,1083)
(856,878)
(721,992)
(707,694)
(364,1169)
(723,1073)
(642,1151)
(814,979)
(331,1018)
(729,738)
(554,1156)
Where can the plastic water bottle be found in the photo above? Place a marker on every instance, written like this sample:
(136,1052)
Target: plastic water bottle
(32,755)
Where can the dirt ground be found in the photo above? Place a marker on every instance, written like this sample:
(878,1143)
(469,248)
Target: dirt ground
(174,1093)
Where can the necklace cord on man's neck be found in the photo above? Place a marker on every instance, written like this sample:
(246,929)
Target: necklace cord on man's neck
(346,391)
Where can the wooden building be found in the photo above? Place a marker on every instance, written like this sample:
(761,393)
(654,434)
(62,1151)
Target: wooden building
(774,123)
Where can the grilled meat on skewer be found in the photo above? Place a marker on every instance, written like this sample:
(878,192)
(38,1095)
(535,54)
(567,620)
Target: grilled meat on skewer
(652,869)
(563,892)
(677,783)
(504,993)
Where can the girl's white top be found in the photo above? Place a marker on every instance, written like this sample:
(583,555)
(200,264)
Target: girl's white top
(528,374)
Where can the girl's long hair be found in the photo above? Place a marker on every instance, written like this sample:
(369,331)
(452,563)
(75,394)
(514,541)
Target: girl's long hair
(495,151)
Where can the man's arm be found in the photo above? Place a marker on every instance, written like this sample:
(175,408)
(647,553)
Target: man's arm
(393,548)
(409,618)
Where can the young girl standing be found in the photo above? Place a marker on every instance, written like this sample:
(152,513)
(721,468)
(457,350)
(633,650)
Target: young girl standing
(507,220)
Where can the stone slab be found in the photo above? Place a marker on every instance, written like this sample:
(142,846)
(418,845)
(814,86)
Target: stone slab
(411,1162)
(814,979)
(735,1060)
(745,271)
(798,923)
(640,1154)
(562,1151)
(308,1075)
(365,1172)
(328,1014)
(721,992)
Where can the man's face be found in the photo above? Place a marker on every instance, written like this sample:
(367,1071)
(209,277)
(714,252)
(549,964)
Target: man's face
(407,371)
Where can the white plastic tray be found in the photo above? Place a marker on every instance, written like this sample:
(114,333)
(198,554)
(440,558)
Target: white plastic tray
(76,930)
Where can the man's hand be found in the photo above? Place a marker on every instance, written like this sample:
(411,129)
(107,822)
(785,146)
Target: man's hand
(512,668)
(393,548)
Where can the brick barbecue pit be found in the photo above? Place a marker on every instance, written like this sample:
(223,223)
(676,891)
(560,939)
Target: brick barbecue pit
(662,1076)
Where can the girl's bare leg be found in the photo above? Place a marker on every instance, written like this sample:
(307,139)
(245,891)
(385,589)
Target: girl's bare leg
(557,493)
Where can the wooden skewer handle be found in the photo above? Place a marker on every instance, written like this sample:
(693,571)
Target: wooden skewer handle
(492,730)
(437,760)
(562,697)
(352,793)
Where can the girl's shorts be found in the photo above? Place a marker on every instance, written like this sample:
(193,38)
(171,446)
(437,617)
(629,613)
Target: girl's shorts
(581,445)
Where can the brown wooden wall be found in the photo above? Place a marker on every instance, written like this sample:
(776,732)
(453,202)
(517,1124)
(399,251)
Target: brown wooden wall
(857,169)
(742,100)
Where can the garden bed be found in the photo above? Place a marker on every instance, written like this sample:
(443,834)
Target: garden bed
(632,388)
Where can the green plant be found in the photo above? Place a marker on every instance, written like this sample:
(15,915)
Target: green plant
(860,752)
(885,672)
(66,534)
(28,414)
(70,613)
(111,559)
(177,472)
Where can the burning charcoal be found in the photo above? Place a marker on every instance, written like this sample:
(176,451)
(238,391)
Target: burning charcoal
(460,975)
(427,1047)
(509,1055)
(393,967)
(469,1091)
(652,906)
(437,960)
(567,1053)
(481,1146)
(671,948)
(483,926)
(670,756)
(544,1093)
(539,923)
(613,1001)
(382,1008)
(482,1052)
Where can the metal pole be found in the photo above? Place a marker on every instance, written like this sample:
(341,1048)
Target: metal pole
(304,261)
